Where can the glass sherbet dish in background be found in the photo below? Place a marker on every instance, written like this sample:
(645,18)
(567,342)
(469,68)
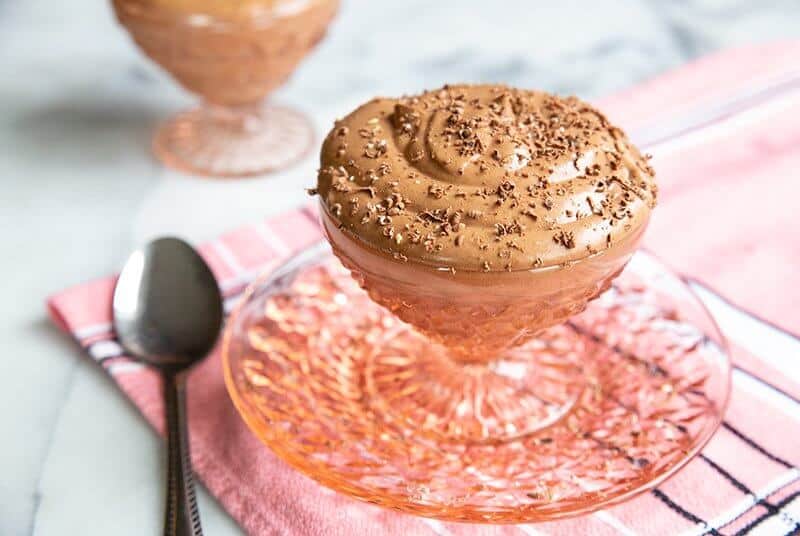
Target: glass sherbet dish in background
(232,54)
(480,341)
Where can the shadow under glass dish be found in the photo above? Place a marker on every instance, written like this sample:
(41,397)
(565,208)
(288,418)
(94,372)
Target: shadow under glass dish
(232,55)
(327,379)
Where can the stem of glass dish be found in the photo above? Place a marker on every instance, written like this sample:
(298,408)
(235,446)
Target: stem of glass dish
(245,118)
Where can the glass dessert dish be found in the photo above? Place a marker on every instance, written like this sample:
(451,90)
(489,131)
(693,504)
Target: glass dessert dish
(467,346)
(232,54)
(488,373)
(331,382)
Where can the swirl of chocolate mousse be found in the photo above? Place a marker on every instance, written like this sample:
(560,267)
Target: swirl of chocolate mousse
(484,178)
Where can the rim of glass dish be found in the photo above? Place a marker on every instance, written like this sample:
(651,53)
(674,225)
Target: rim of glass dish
(444,270)
(334,483)
(206,21)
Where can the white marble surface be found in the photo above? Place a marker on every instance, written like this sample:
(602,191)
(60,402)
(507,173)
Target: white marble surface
(80,189)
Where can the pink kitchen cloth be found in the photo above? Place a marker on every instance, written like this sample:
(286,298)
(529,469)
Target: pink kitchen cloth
(727,218)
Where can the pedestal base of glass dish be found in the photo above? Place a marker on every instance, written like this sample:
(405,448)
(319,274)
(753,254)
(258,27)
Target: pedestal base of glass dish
(413,383)
(233,141)
(591,413)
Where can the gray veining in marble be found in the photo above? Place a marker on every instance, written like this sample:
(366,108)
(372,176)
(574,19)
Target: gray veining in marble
(79,189)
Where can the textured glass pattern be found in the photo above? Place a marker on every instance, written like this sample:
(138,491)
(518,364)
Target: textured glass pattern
(589,413)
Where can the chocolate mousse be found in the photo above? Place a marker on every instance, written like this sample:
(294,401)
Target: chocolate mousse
(230,52)
(484,178)
(482,214)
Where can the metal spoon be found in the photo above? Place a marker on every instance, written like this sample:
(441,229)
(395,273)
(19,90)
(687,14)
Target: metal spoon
(168,312)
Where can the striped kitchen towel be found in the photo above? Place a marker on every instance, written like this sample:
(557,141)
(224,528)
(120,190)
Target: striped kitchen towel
(727,217)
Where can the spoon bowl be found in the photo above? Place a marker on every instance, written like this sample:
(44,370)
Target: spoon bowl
(167,305)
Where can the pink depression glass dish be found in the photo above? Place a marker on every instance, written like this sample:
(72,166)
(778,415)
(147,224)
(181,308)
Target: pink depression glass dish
(355,398)
(232,54)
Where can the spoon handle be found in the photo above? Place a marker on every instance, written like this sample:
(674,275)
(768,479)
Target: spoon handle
(182,517)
